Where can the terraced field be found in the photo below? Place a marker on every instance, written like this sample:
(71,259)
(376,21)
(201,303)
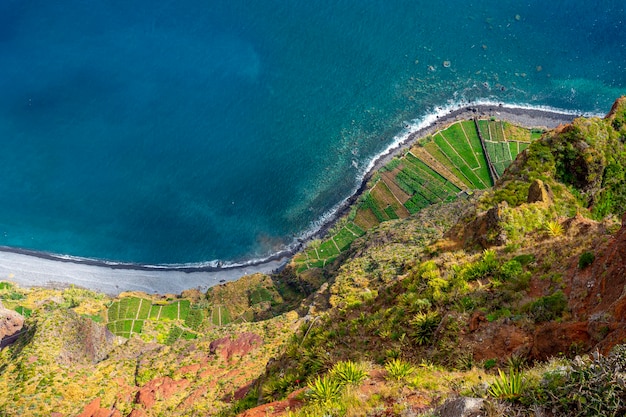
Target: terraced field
(128,316)
(504,142)
(465,156)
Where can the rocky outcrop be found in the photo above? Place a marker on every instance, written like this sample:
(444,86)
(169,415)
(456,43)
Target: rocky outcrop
(228,348)
(540,192)
(11,323)
(162,388)
(461,407)
(484,231)
(93,409)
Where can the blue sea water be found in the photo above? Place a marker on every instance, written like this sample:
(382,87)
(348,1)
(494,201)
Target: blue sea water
(164,132)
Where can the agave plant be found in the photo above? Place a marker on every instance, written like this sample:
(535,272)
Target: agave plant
(425,325)
(325,390)
(348,373)
(398,369)
(554,228)
(508,387)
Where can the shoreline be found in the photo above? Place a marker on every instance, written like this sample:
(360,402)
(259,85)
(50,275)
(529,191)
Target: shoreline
(30,268)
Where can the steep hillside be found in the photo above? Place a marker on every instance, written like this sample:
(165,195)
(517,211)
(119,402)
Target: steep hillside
(406,313)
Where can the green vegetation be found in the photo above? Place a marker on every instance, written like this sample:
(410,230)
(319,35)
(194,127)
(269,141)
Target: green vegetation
(416,180)
(398,369)
(509,386)
(586,259)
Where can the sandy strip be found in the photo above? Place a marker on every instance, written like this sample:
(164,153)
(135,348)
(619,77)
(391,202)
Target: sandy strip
(41,270)
(33,271)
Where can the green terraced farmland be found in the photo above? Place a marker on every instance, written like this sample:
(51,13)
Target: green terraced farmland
(126,316)
(431,172)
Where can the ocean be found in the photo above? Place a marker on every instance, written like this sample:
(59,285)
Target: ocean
(161,132)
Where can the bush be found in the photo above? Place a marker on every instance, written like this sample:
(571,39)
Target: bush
(548,308)
(585,260)
(590,386)
(508,387)
(348,373)
(424,325)
(510,270)
(397,369)
(325,390)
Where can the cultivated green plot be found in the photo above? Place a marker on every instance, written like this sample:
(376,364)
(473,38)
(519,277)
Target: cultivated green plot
(344,238)
(483,126)
(458,162)
(445,161)
(220,316)
(459,148)
(469,128)
(126,316)
(434,151)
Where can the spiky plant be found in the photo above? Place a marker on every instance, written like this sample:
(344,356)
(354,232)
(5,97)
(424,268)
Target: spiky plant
(348,373)
(424,325)
(398,369)
(554,228)
(325,390)
(509,386)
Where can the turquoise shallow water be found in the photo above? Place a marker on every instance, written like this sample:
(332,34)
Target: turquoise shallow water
(155,132)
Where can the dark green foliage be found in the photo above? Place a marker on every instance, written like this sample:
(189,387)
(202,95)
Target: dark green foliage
(194,318)
(490,363)
(547,308)
(525,259)
(586,259)
(174,334)
(588,387)
(5,285)
(424,326)
(26,312)
(510,270)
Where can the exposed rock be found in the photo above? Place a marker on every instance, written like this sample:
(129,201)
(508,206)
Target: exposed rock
(553,339)
(226,347)
(137,412)
(540,192)
(461,407)
(496,340)
(162,388)
(276,408)
(11,323)
(477,318)
(485,230)
(93,409)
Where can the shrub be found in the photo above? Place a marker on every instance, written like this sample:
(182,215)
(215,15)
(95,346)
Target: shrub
(547,308)
(490,363)
(508,387)
(348,373)
(397,369)
(324,390)
(510,270)
(425,325)
(590,386)
(585,260)
(554,228)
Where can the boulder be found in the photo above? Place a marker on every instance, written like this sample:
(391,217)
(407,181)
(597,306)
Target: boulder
(540,192)
(461,407)
(11,323)
(227,348)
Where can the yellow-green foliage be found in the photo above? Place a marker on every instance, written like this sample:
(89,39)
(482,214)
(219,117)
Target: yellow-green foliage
(518,222)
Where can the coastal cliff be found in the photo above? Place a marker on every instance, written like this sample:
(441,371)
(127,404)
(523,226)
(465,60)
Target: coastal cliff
(396,311)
